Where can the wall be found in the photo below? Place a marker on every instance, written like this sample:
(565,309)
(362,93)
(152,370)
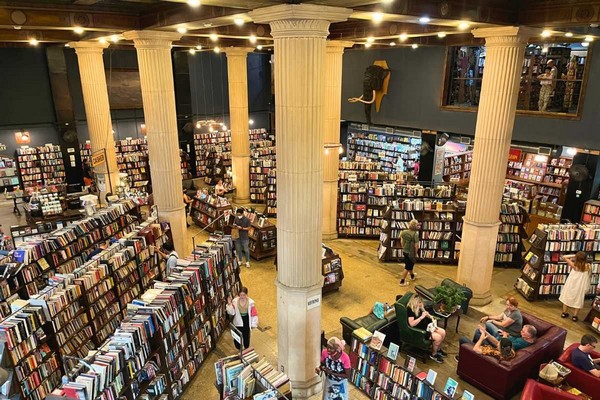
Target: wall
(414,93)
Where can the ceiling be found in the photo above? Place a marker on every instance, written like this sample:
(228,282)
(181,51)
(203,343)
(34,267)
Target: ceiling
(373,23)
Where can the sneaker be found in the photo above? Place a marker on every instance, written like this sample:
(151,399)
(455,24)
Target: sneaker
(413,277)
(247,264)
(456,358)
(405,283)
(239,262)
(436,358)
(564,315)
(442,353)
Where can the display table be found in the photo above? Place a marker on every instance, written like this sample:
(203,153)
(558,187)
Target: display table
(15,198)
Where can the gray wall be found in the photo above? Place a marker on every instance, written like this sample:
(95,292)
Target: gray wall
(414,92)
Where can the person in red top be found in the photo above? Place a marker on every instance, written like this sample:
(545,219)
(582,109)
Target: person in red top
(335,363)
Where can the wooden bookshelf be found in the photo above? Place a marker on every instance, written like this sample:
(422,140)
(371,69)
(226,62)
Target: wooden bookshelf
(331,269)
(592,319)
(51,161)
(209,208)
(30,169)
(457,166)
(271,208)
(509,245)
(591,212)
(259,175)
(132,159)
(9,178)
(263,238)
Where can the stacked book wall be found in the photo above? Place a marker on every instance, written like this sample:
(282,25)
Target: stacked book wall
(41,166)
(132,159)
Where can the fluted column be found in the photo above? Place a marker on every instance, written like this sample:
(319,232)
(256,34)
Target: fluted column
(333,112)
(158,94)
(505,49)
(299,32)
(97,110)
(237,75)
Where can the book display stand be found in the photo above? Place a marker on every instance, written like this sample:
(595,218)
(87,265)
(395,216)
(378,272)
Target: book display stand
(332,271)
(263,238)
(210,212)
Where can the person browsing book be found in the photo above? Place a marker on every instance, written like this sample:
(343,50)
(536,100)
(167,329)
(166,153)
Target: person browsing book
(244,314)
(577,284)
(510,320)
(335,364)
(242,223)
(420,318)
(168,253)
(220,188)
(581,358)
(410,245)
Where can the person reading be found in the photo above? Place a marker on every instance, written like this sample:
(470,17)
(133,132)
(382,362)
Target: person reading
(581,357)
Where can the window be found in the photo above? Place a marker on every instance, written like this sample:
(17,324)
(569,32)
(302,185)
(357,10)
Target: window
(552,79)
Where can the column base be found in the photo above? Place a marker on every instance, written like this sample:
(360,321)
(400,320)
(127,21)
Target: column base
(177,220)
(481,299)
(330,236)
(241,200)
(299,336)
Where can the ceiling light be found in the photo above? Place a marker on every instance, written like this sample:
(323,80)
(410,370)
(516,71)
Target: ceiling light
(33,42)
(198,126)
(569,34)
(546,33)
(102,40)
(589,39)
(224,127)
(251,122)
(217,49)
(192,51)
(414,46)
(370,39)
(252,39)
(377,17)
(545,49)
(387,1)
(403,37)
(392,43)
(585,44)
(114,38)
(463,25)
(214,37)
(199,47)
(441,34)
(259,47)
(78,30)
(210,129)
(182,29)
(67,45)
(367,45)
(17,27)
(239,21)
(571,151)
(193,3)
(424,20)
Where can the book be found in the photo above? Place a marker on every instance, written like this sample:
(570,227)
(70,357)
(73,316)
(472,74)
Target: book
(377,340)
(362,333)
(450,387)
(410,363)
(431,375)
(467,395)
(393,351)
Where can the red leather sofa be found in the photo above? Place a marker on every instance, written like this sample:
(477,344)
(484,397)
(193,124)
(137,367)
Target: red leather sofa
(578,378)
(534,390)
(504,379)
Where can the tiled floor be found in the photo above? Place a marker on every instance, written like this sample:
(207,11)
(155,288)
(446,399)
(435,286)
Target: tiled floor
(366,281)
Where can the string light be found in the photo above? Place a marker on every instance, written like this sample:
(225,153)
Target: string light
(252,39)
(463,25)
(546,33)
(199,47)
(239,21)
(377,17)
(214,37)
(370,39)
(78,30)
(441,35)
(403,37)
(193,3)
(33,42)
(414,46)
(192,51)
(182,29)
(424,20)
(569,34)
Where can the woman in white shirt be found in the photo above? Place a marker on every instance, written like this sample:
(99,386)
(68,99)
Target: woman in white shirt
(244,315)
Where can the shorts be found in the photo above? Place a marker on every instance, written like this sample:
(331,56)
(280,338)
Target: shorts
(409,262)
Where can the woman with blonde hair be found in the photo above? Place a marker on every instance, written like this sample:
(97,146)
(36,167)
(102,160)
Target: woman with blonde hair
(335,363)
(577,284)
(409,238)
(419,318)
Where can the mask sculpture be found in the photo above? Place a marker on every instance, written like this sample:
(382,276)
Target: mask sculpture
(375,83)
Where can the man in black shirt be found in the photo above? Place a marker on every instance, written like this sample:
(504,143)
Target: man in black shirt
(242,223)
(581,358)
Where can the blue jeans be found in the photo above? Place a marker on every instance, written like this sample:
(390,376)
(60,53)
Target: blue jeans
(241,248)
(492,329)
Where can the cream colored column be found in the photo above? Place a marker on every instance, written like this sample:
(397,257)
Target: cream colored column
(299,32)
(237,75)
(505,48)
(333,112)
(158,94)
(97,111)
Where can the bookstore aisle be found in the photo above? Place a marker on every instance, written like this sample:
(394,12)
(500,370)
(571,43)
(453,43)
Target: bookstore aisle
(361,269)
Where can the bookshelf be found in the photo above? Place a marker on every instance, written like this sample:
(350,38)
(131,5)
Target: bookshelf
(208,208)
(380,377)
(9,178)
(213,155)
(186,168)
(51,162)
(591,212)
(457,166)
(132,159)
(509,245)
(30,169)
(271,208)
(259,176)
(592,320)
(85,150)
(331,269)
(544,272)
(263,238)
(558,170)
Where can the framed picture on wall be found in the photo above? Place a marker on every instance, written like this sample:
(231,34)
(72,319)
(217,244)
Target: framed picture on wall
(124,88)
(23,137)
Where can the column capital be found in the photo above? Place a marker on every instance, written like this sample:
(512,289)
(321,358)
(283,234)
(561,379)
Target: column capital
(237,51)
(152,39)
(506,35)
(338,46)
(300,20)
(88,46)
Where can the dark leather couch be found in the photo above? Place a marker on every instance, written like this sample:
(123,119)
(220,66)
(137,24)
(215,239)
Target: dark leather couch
(534,390)
(504,379)
(370,322)
(578,378)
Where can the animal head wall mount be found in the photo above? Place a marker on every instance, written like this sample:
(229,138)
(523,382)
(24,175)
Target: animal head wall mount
(375,85)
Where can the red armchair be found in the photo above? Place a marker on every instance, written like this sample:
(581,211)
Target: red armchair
(534,390)
(578,378)
(504,379)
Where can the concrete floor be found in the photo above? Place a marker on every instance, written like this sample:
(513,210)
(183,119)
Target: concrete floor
(366,281)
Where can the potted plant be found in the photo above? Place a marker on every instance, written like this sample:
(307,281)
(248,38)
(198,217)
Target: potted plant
(448,298)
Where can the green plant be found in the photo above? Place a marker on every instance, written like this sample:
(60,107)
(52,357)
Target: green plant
(449,297)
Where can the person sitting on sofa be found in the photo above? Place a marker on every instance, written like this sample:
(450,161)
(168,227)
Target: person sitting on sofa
(510,320)
(419,318)
(482,338)
(580,357)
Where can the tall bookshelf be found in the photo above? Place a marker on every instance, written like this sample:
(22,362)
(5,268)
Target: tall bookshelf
(132,159)
(509,245)
(271,208)
(591,212)
(457,166)
(51,162)
(544,272)
(259,175)
(185,165)
(30,169)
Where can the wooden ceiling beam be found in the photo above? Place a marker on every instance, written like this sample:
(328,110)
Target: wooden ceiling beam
(562,15)
(183,15)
